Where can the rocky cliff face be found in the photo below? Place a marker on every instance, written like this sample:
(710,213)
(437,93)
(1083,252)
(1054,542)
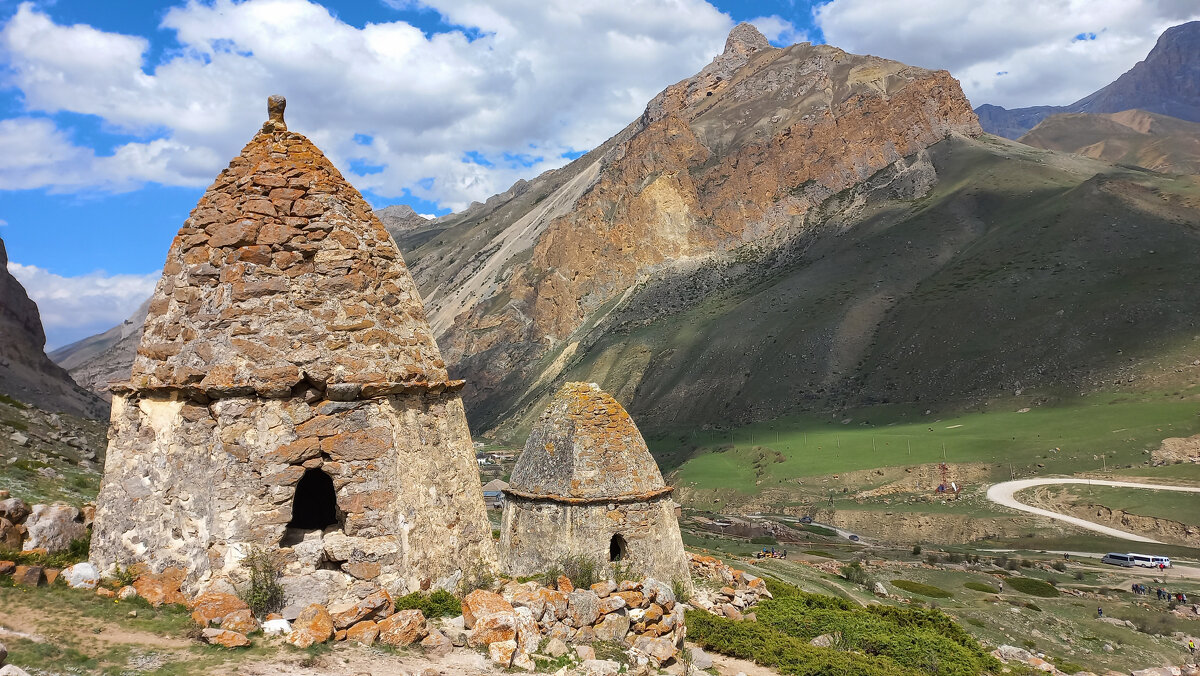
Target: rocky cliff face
(25,371)
(737,158)
(1167,82)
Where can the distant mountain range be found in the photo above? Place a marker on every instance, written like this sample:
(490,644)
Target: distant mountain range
(1132,137)
(1167,82)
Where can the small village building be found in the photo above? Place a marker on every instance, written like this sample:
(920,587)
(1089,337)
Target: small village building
(586,486)
(493,493)
(288,396)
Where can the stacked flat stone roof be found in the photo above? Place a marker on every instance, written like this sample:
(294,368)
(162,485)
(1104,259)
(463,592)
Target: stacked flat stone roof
(282,274)
(586,448)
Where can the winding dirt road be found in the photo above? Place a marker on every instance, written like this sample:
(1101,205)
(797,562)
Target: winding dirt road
(1003,494)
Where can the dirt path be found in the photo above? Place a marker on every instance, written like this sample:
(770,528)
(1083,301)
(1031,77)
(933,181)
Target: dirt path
(1004,494)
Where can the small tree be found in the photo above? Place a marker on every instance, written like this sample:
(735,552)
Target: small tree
(263,594)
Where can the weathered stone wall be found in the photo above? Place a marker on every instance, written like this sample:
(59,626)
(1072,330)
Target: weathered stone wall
(197,486)
(537,535)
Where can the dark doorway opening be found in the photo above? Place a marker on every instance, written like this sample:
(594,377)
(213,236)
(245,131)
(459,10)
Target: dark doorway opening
(315,503)
(616,548)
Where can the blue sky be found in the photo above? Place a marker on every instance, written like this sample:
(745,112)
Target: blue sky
(114,116)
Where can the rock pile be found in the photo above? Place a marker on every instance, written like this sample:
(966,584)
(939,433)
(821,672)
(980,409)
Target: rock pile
(739,591)
(642,617)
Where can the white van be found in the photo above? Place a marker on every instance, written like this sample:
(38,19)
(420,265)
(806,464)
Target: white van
(1155,560)
(1115,559)
(1143,560)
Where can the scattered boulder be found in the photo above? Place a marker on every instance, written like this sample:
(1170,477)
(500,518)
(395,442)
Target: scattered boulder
(81,576)
(528,636)
(222,637)
(51,574)
(613,628)
(600,668)
(11,535)
(555,648)
(160,588)
(3,653)
(127,592)
(14,509)
(480,603)
(585,652)
(104,592)
(437,644)
(240,621)
(7,567)
(28,576)
(822,641)
(375,606)
(403,628)
(583,607)
(700,659)
(658,650)
(364,632)
(313,625)
(502,652)
(214,606)
(277,626)
(11,670)
(54,527)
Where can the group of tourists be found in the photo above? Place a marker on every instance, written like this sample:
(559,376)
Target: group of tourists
(770,554)
(1162,594)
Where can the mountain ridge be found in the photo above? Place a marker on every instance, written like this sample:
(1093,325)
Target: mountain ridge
(1166,82)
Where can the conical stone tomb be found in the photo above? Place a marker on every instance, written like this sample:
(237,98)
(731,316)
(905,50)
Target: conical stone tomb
(587,487)
(288,396)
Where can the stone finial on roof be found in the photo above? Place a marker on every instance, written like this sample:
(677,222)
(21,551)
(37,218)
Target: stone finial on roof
(275,105)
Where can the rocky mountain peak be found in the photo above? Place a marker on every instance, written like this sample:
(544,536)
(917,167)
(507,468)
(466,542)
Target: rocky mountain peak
(744,40)
(25,371)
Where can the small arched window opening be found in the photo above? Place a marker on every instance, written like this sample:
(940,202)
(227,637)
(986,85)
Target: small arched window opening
(314,506)
(616,548)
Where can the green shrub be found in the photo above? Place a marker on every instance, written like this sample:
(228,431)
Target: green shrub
(12,402)
(440,603)
(916,551)
(263,594)
(478,576)
(919,640)
(77,551)
(922,589)
(581,571)
(933,559)
(981,587)
(1059,566)
(1033,587)
(1032,606)
(680,589)
(856,574)
(123,577)
(787,654)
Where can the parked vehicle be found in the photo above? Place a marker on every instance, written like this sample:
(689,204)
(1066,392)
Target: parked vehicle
(1156,560)
(1118,559)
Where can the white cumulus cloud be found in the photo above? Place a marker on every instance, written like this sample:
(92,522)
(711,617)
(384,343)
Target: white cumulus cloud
(1004,52)
(532,81)
(76,307)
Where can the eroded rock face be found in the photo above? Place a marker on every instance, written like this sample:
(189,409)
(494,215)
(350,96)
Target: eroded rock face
(287,395)
(742,153)
(586,485)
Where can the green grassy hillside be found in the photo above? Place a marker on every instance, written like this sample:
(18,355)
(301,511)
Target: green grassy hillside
(1025,277)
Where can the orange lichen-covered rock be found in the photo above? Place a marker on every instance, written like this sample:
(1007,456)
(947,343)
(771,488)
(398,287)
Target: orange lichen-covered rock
(403,628)
(228,639)
(314,625)
(481,603)
(215,605)
(364,632)
(375,606)
(160,588)
(242,621)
